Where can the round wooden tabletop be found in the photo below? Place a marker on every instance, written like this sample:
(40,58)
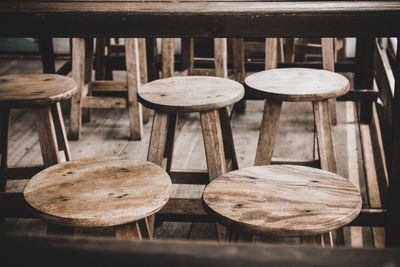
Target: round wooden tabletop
(98,192)
(35,89)
(282,200)
(190,93)
(297,84)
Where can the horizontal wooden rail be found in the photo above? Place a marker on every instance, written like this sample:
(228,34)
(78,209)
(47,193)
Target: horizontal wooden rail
(18,250)
(103,102)
(12,205)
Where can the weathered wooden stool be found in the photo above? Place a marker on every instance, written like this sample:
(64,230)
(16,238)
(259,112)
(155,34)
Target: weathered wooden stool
(99,192)
(208,95)
(297,85)
(282,201)
(43,93)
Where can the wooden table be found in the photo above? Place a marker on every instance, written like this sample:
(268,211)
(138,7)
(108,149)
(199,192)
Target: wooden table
(230,18)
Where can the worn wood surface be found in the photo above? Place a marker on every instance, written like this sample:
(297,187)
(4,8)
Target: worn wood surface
(282,200)
(297,84)
(200,19)
(190,93)
(35,89)
(98,192)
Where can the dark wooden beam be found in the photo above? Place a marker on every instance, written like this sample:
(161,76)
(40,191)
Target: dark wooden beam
(89,251)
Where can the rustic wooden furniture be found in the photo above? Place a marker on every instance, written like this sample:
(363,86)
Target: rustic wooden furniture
(282,201)
(297,85)
(43,93)
(86,97)
(99,192)
(364,20)
(208,95)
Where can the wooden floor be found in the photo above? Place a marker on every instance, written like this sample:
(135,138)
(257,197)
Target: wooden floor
(358,156)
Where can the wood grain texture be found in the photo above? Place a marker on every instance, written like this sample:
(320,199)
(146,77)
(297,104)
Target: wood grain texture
(328,63)
(98,192)
(297,84)
(35,89)
(221,57)
(190,93)
(282,200)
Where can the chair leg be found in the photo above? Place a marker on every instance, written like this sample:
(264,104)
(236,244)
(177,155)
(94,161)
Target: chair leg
(213,143)
(328,63)
(60,130)
(289,50)
(324,135)
(239,70)
(169,145)
(271,55)
(47,136)
(78,58)
(168,57)
(229,146)
(100,59)
(133,82)
(143,73)
(145,229)
(5,126)
(188,54)
(158,138)
(221,57)
(268,131)
(87,112)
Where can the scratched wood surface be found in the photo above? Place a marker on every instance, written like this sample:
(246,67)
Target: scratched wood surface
(106,136)
(190,93)
(98,192)
(35,89)
(297,84)
(282,200)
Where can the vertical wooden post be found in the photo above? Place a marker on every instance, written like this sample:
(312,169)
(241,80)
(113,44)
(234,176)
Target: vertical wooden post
(271,58)
(100,59)
(239,70)
(151,53)
(168,57)
(328,63)
(364,73)
(60,130)
(143,73)
(4,136)
(47,53)
(393,221)
(229,145)
(268,131)
(133,83)
(86,112)
(169,144)
(221,57)
(289,50)
(188,54)
(78,59)
(158,138)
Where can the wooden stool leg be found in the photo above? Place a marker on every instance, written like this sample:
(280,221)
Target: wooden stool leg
(229,146)
(168,57)
(128,231)
(158,138)
(221,57)
(169,144)
(78,58)
(187,45)
(133,82)
(268,131)
(271,57)
(47,136)
(328,63)
(60,130)
(5,125)
(213,143)
(54,229)
(239,70)
(145,229)
(324,135)
(87,112)
(100,59)
(143,73)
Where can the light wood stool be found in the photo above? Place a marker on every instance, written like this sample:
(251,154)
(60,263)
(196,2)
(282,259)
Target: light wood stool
(99,192)
(297,85)
(208,95)
(282,201)
(43,93)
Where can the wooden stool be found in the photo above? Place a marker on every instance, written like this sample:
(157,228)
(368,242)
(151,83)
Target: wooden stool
(99,192)
(43,92)
(208,95)
(297,85)
(282,201)
(86,98)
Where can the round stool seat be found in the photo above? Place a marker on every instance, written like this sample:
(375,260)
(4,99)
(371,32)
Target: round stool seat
(98,192)
(35,89)
(282,200)
(297,84)
(190,93)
